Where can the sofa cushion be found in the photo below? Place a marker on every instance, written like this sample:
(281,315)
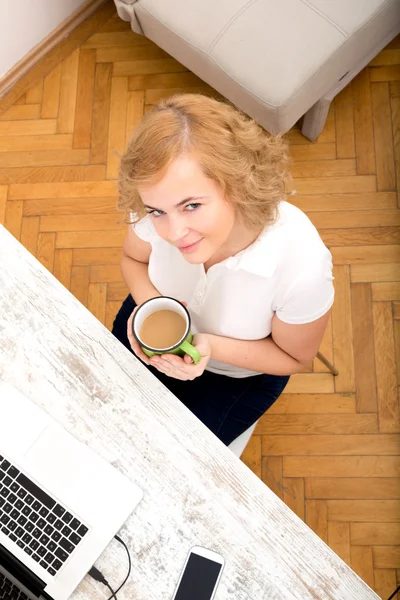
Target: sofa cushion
(199,22)
(264,41)
(347,16)
(289,42)
(272,59)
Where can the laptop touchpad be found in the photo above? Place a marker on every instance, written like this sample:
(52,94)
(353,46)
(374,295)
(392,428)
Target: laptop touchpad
(63,464)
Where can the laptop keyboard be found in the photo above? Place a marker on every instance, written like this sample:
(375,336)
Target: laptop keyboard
(32,519)
(9,591)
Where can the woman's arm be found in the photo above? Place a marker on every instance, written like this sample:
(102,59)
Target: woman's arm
(134,268)
(286,351)
(301,343)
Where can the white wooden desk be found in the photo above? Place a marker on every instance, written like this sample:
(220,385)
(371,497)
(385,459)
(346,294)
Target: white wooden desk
(195,490)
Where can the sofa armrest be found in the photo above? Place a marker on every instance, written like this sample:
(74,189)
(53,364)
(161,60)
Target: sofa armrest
(126,12)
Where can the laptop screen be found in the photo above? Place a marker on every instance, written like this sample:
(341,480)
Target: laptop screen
(11,566)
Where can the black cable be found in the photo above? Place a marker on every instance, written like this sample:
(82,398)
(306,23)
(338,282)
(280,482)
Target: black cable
(98,576)
(394,593)
(129,563)
(113,594)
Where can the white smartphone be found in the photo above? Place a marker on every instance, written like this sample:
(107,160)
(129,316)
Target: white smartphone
(200,575)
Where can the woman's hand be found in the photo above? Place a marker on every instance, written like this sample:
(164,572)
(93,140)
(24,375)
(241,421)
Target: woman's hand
(171,364)
(183,368)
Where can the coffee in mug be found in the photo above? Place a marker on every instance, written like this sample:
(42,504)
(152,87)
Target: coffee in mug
(163,329)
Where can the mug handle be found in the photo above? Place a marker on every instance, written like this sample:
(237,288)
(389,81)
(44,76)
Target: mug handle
(191,351)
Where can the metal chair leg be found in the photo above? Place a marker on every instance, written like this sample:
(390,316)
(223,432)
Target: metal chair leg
(328,364)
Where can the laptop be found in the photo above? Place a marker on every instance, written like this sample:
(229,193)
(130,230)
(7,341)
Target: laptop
(60,503)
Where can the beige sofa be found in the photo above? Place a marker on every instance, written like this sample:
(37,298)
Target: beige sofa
(277,60)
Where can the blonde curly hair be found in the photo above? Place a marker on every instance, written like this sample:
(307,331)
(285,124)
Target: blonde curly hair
(232,149)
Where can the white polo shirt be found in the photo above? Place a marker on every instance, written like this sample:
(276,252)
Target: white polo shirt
(287,271)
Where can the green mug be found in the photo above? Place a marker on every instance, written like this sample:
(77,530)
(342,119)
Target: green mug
(182,346)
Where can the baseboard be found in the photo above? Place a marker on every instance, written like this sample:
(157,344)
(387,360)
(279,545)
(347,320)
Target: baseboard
(48,43)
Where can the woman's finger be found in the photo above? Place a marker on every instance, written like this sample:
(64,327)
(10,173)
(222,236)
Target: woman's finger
(133,342)
(129,327)
(172,359)
(162,368)
(129,331)
(172,370)
(169,363)
(140,354)
(174,362)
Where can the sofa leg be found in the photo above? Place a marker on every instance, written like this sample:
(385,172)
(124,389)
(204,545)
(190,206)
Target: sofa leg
(314,119)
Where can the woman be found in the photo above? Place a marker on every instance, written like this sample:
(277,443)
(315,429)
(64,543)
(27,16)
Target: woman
(205,185)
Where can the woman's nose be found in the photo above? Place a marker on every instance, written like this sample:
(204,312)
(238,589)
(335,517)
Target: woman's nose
(177,229)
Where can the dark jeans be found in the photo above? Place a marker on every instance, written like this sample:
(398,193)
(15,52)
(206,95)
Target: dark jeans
(226,405)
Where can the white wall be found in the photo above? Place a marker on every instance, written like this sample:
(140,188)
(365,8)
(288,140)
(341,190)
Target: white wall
(24,23)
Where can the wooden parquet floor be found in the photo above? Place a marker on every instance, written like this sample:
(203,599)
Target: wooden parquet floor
(330,446)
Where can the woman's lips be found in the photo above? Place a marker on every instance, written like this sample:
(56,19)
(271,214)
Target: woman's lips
(190,247)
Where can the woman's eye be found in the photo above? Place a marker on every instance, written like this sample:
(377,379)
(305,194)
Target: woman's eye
(160,213)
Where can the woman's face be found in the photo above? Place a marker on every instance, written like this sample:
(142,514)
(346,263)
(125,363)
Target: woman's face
(189,210)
